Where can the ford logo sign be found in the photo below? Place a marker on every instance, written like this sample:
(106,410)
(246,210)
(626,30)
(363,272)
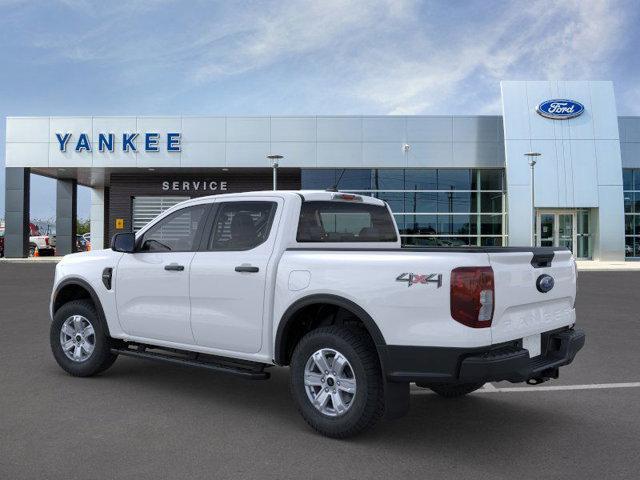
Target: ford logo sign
(559,109)
(544,283)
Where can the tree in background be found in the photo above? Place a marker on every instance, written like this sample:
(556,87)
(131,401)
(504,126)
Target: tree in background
(84,226)
(45,226)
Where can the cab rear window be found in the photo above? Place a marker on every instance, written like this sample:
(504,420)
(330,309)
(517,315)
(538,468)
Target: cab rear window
(335,221)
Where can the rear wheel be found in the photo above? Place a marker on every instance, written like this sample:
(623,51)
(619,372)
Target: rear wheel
(336,381)
(79,341)
(452,390)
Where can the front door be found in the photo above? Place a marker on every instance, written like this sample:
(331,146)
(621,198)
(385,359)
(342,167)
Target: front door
(228,277)
(559,228)
(152,284)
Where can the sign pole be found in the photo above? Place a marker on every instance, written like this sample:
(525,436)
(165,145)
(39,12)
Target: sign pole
(274,163)
(532,163)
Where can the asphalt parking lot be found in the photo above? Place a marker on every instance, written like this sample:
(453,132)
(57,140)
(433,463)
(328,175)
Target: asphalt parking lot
(153,421)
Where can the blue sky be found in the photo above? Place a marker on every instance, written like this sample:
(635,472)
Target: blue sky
(78,57)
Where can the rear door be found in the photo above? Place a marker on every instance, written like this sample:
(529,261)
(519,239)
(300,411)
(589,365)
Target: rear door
(522,310)
(228,276)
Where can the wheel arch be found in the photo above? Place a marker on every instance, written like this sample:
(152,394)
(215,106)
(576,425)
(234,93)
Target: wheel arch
(290,318)
(75,288)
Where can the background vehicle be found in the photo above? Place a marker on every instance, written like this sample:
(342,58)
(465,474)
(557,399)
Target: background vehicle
(1,241)
(44,243)
(87,239)
(317,281)
(81,244)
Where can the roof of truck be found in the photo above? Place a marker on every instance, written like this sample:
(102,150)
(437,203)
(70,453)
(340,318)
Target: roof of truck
(305,194)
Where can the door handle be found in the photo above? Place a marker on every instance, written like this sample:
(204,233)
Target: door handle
(174,267)
(247,268)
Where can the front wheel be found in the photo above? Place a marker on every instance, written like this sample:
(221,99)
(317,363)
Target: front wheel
(336,381)
(79,341)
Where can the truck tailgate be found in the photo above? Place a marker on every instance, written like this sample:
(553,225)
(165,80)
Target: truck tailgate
(521,310)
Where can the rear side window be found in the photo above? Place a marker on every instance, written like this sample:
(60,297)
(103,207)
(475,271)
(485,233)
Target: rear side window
(335,221)
(242,225)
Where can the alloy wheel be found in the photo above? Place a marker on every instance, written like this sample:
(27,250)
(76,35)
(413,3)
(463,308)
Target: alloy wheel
(77,338)
(330,382)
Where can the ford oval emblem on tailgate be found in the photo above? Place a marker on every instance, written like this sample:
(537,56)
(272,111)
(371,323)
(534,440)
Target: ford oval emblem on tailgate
(544,283)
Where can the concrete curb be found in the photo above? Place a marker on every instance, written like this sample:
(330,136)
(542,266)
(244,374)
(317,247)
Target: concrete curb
(591,266)
(31,260)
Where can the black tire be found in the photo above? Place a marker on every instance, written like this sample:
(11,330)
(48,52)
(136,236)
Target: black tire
(32,249)
(100,359)
(452,390)
(368,402)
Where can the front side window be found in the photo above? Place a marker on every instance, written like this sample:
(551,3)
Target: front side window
(332,221)
(242,225)
(174,233)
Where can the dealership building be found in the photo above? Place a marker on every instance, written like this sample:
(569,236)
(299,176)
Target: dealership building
(449,180)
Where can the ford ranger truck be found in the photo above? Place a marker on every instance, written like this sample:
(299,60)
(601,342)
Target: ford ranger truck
(316,281)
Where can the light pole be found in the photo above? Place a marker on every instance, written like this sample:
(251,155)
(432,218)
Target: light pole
(532,163)
(274,163)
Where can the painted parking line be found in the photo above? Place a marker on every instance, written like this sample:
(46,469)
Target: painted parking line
(490,388)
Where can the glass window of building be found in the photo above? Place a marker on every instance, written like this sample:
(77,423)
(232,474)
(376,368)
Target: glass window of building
(432,207)
(631,181)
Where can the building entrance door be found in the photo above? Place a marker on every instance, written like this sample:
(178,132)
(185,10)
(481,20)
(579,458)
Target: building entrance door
(564,228)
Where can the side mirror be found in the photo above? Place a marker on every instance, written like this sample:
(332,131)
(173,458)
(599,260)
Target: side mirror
(124,242)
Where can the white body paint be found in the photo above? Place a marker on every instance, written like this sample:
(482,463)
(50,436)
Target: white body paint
(210,308)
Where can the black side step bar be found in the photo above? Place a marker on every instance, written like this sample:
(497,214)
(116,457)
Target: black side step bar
(248,370)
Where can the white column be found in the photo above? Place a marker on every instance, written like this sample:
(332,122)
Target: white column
(609,234)
(97,218)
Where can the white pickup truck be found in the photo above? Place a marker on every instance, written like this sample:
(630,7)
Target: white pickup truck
(317,281)
(44,244)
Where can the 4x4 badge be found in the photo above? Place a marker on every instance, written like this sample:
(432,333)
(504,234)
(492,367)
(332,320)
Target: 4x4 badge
(413,278)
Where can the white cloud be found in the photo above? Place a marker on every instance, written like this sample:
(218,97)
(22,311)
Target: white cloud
(541,40)
(295,29)
(393,56)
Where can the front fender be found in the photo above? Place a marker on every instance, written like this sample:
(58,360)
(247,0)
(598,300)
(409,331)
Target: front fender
(85,271)
(80,283)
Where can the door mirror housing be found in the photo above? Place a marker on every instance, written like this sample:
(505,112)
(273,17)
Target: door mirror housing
(124,242)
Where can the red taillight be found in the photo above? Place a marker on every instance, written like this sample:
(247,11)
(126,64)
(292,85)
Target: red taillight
(46,241)
(472,296)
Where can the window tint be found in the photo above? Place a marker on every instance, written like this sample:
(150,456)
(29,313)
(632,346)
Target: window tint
(439,193)
(356,179)
(176,232)
(242,225)
(387,179)
(452,179)
(318,179)
(421,179)
(491,179)
(336,221)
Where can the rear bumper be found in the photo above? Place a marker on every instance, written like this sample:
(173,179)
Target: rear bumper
(506,361)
